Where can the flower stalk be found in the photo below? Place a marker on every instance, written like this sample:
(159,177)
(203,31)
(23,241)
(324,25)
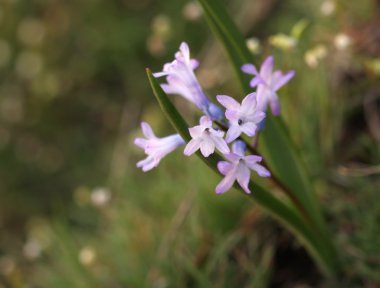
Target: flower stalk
(301,213)
(288,215)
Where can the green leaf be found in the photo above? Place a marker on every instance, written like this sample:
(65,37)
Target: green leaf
(283,212)
(275,143)
(226,30)
(278,149)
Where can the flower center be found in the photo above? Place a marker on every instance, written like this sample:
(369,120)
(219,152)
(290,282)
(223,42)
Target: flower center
(240,121)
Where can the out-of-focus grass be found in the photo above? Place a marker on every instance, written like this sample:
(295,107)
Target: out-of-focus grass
(67,71)
(156,235)
(68,126)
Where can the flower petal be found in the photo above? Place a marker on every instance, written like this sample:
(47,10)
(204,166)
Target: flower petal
(205,122)
(249,100)
(233,133)
(150,166)
(194,64)
(196,131)
(141,142)
(148,163)
(176,85)
(267,68)
(207,147)
(184,49)
(191,147)
(179,89)
(248,105)
(233,157)
(263,93)
(280,80)
(249,69)
(249,128)
(228,102)
(252,159)
(226,183)
(160,74)
(221,145)
(224,167)
(256,81)
(275,107)
(261,170)
(242,176)
(232,115)
(147,130)
(217,133)
(258,117)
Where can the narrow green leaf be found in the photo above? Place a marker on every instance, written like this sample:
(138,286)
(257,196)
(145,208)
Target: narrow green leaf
(284,213)
(275,143)
(236,54)
(284,161)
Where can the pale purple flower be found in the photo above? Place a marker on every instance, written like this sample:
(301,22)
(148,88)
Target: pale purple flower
(206,139)
(267,82)
(181,80)
(238,168)
(243,118)
(156,148)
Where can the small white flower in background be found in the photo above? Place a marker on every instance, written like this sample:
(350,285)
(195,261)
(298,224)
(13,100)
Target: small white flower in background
(254,45)
(328,7)
(31,31)
(288,42)
(342,41)
(283,41)
(155,45)
(100,196)
(374,65)
(32,249)
(161,26)
(87,256)
(192,11)
(29,64)
(156,148)
(206,139)
(313,56)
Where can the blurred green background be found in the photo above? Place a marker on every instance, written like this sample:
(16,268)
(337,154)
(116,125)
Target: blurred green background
(76,212)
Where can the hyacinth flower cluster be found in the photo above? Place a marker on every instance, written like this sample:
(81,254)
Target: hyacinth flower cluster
(218,130)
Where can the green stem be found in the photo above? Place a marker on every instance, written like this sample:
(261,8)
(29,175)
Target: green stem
(278,148)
